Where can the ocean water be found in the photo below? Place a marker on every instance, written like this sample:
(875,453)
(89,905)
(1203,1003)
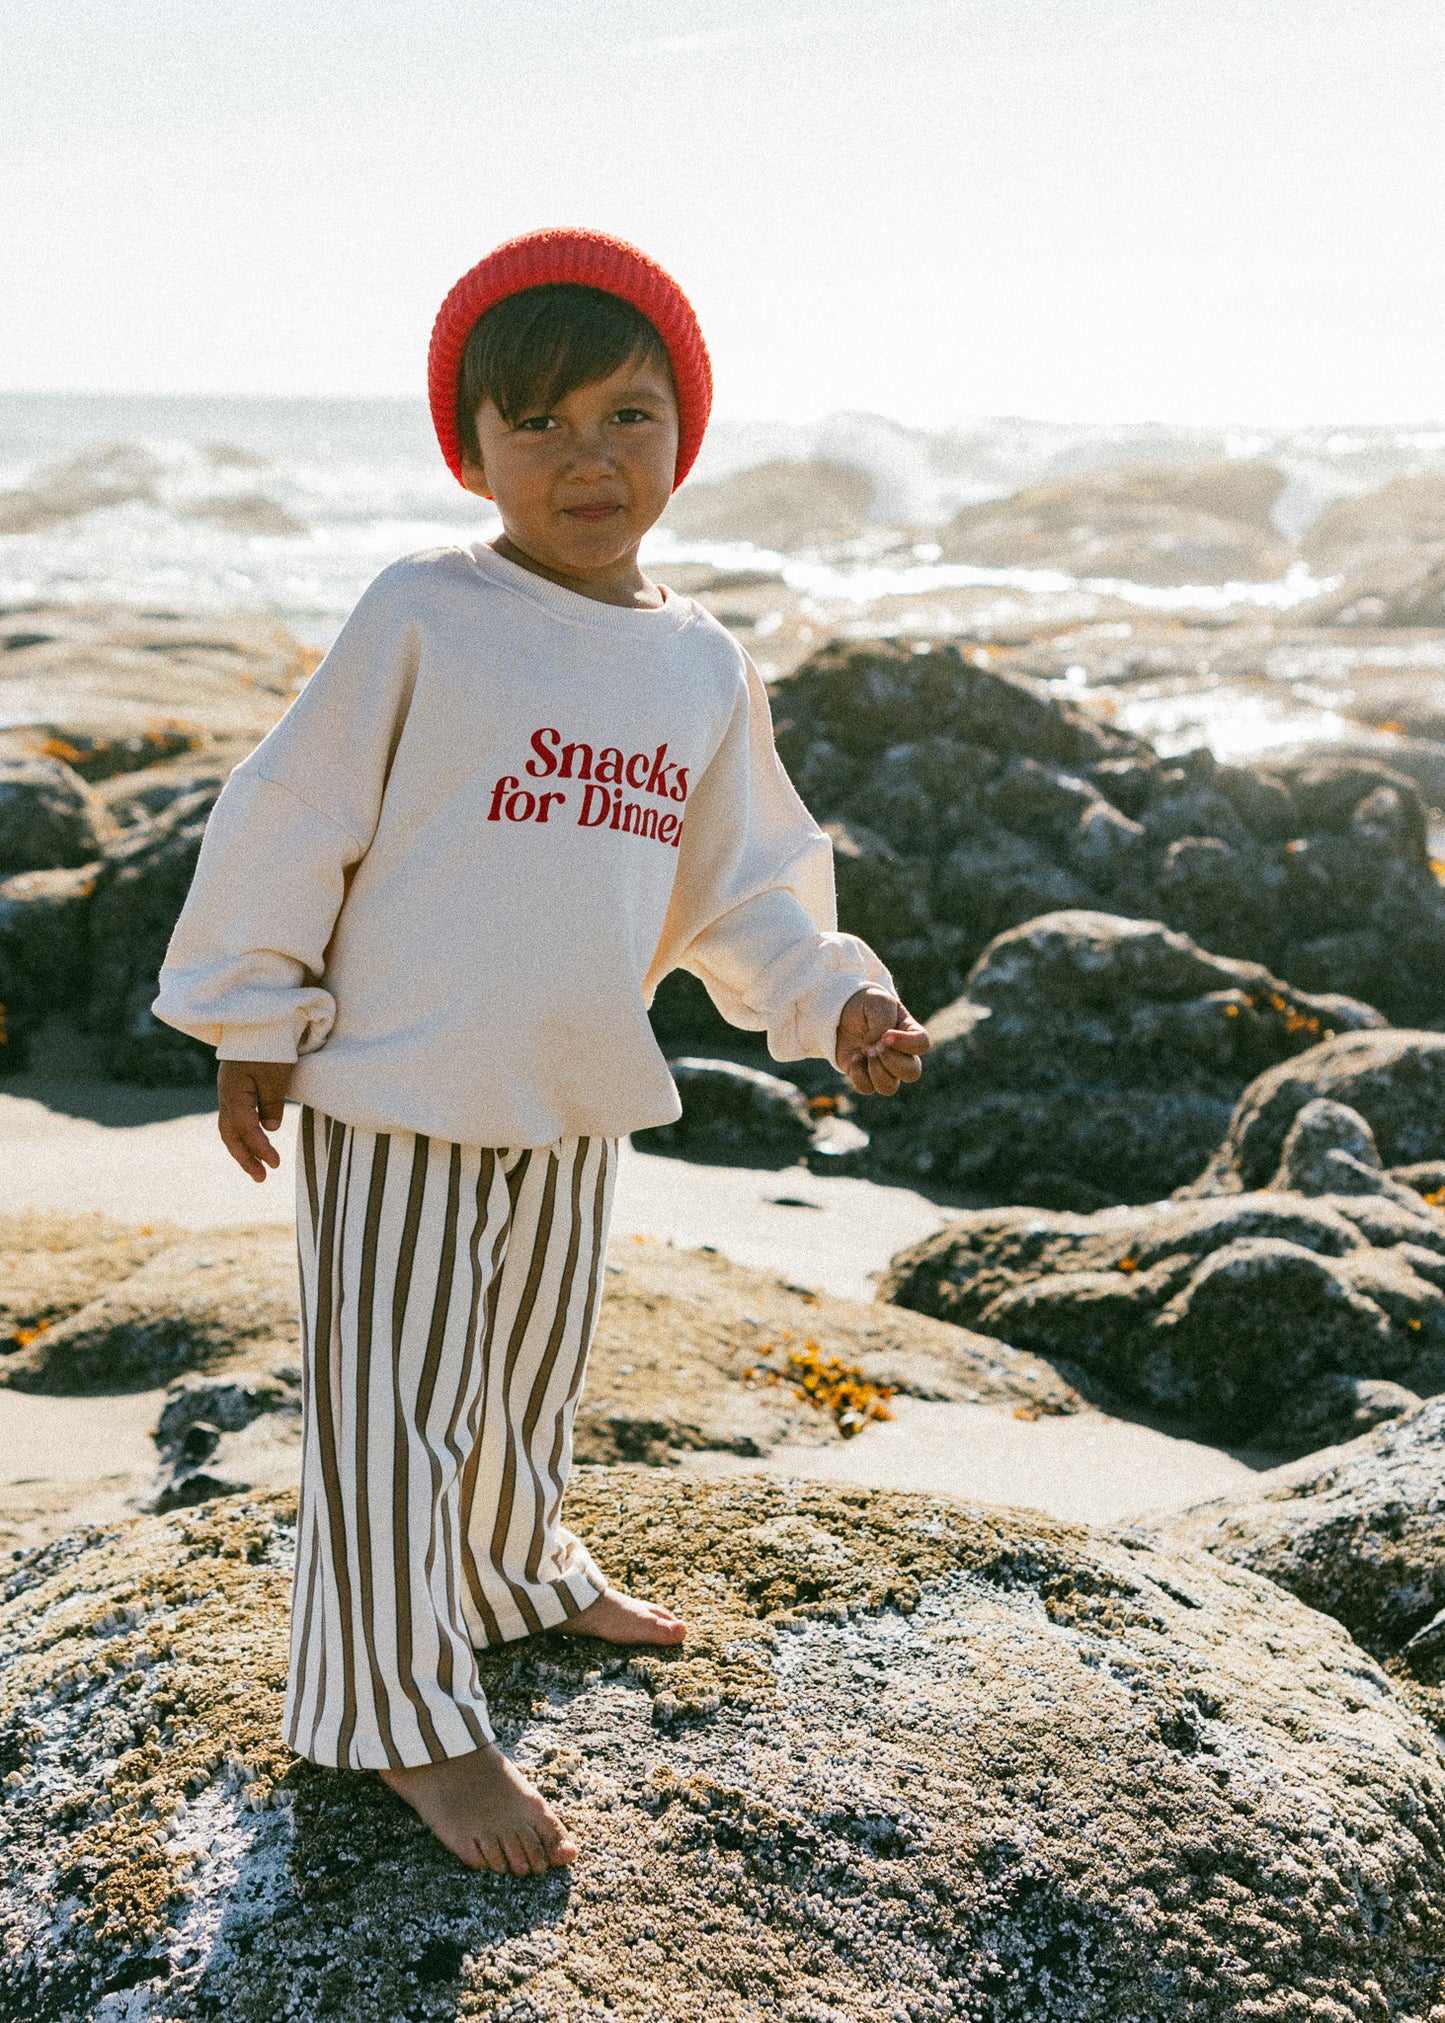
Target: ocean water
(290,507)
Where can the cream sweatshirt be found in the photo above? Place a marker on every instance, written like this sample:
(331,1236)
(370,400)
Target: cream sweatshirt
(450,879)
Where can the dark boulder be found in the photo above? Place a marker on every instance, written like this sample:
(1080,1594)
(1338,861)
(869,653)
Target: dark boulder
(143,884)
(1235,1318)
(1093,1059)
(1002,798)
(1394,1080)
(44,952)
(864,697)
(135,797)
(734,1115)
(48,816)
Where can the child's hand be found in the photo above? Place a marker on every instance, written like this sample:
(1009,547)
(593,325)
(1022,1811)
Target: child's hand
(250,1096)
(879,1042)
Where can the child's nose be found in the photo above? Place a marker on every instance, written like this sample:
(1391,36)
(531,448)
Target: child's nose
(591,451)
(589,460)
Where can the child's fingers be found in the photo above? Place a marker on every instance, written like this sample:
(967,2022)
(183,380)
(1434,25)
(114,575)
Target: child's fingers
(906,1039)
(244,1137)
(904,1067)
(856,1069)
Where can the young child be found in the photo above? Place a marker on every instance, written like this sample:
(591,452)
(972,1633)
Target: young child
(433,906)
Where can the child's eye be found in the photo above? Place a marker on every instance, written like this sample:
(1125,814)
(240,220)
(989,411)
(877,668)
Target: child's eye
(535,423)
(633,414)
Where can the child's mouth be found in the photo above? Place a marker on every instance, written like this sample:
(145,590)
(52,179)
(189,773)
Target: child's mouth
(591,513)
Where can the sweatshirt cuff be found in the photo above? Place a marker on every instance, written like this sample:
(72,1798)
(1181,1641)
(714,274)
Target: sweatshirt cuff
(811,1033)
(257,1043)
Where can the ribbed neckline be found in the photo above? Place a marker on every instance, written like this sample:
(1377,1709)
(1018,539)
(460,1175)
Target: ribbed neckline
(574,609)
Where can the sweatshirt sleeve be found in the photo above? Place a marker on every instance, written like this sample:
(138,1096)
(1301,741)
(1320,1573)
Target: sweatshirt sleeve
(753,914)
(294,819)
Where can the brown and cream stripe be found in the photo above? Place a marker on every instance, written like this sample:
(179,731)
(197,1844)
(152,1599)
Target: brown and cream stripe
(449,1294)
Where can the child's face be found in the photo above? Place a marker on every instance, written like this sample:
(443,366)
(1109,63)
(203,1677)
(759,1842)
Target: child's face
(579,485)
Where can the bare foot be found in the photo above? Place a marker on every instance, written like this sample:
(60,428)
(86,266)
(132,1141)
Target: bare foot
(485,1811)
(622,1619)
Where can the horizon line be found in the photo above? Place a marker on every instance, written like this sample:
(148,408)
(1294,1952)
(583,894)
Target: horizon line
(1398,423)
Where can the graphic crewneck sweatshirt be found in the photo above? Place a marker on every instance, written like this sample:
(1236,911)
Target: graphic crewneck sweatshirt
(450,879)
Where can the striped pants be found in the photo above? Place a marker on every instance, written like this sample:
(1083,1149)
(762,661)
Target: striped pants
(448,1298)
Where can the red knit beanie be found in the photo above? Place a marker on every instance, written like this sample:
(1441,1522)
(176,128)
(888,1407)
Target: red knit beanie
(595,261)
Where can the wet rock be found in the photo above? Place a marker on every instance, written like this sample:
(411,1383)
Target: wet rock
(1148,524)
(1226,1316)
(916,1755)
(1358,1532)
(111,474)
(245,513)
(737,1116)
(1395,1081)
(1405,594)
(1394,522)
(197,1302)
(1093,1058)
(48,817)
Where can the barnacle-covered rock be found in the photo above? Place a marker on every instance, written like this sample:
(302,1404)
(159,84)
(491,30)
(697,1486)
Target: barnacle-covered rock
(1357,1531)
(917,1760)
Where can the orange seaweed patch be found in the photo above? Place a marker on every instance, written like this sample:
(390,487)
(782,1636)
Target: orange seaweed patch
(832,1385)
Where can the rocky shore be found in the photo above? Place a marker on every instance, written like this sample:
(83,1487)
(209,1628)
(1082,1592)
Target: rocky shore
(922,1757)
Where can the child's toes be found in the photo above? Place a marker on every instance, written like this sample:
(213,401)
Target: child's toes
(558,1846)
(490,1854)
(523,1851)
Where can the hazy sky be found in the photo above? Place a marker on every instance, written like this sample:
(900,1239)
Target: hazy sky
(1178,209)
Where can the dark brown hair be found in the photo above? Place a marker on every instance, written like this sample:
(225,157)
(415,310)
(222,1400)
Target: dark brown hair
(532,349)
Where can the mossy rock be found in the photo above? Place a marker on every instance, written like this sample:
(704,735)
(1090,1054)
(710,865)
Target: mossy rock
(919,1760)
